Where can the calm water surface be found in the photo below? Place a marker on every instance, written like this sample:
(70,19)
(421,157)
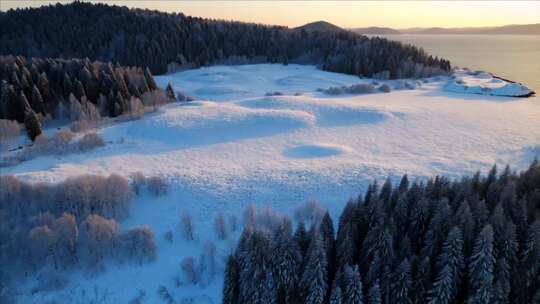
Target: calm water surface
(510,56)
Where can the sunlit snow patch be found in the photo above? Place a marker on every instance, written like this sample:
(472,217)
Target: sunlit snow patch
(485,83)
(212,123)
(327,113)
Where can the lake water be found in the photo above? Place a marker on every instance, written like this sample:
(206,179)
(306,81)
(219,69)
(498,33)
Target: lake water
(510,56)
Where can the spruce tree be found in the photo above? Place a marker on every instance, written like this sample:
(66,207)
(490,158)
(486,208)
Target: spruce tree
(481,264)
(314,282)
(302,238)
(530,261)
(43,85)
(335,296)
(506,249)
(374,294)
(231,288)
(421,281)
(450,265)
(286,261)
(255,276)
(32,124)
(170,92)
(353,286)
(150,79)
(327,233)
(79,89)
(402,283)
(37,101)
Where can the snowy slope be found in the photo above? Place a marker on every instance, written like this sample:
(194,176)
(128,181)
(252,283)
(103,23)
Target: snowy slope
(235,146)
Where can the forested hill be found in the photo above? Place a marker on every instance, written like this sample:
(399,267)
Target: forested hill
(135,37)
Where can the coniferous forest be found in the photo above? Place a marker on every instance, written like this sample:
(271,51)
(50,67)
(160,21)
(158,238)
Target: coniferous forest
(474,240)
(161,41)
(84,60)
(69,88)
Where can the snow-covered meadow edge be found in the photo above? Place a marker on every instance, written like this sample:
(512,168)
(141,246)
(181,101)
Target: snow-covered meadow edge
(269,135)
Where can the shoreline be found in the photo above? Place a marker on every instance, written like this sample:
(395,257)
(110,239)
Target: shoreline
(530,94)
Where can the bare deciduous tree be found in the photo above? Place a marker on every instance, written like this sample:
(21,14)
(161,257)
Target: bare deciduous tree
(220,226)
(186,224)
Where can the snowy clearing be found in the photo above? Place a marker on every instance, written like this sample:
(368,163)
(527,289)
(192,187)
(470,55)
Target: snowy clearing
(236,146)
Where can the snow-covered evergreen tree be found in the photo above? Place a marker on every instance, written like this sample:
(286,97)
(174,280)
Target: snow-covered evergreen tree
(231,288)
(286,262)
(314,283)
(450,267)
(401,287)
(354,293)
(335,296)
(374,294)
(255,277)
(481,264)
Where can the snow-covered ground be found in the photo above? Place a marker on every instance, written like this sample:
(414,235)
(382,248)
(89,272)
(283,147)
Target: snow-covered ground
(486,84)
(236,146)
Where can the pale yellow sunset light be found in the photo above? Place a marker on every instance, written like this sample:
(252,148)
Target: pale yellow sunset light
(396,14)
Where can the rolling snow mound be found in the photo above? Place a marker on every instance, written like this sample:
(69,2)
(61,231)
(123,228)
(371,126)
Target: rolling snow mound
(327,112)
(215,123)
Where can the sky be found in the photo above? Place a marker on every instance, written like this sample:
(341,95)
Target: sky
(396,14)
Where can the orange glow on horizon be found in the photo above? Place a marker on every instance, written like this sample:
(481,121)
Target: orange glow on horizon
(395,14)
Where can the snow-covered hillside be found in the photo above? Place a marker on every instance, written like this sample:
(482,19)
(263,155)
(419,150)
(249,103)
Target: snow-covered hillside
(236,146)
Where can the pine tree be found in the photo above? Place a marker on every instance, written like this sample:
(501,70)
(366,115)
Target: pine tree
(464,219)
(255,277)
(314,282)
(286,261)
(335,296)
(481,266)
(150,79)
(327,233)
(353,286)
(438,228)
(386,190)
(506,249)
(450,265)
(170,92)
(231,286)
(402,283)
(374,294)
(43,85)
(404,184)
(421,281)
(530,261)
(37,101)
(32,124)
(302,238)
(67,84)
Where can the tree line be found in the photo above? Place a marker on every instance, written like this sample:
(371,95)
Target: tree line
(73,89)
(165,42)
(473,240)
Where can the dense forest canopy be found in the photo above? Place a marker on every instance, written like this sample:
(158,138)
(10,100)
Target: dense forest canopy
(74,89)
(161,41)
(474,240)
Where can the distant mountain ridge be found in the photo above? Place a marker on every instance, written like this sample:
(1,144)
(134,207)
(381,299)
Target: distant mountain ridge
(513,29)
(375,30)
(320,26)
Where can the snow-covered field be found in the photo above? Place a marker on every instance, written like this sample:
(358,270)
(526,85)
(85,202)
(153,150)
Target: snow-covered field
(236,146)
